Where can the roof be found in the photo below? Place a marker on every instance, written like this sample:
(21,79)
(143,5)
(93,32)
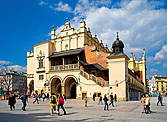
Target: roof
(161,77)
(67,53)
(116,54)
(18,74)
(94,65)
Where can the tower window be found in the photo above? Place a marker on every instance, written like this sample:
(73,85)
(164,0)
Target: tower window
(41,63)
(66,47)
(41,77)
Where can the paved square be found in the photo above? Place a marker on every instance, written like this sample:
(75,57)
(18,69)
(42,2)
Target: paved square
(122,112)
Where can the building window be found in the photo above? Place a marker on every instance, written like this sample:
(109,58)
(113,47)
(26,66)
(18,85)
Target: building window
(41,63)
(117,85)
(66,47)
(41,77)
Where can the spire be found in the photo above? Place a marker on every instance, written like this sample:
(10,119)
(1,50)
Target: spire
(67,19)
(53,26)
(117,36)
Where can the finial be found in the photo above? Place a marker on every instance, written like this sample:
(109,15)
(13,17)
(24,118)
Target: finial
(101,41)
(131,54)
(144,51)
(95,36)
(53,26)
(67,19)
(106,46)
(117,36)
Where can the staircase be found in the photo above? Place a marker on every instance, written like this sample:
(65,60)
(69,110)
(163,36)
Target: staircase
(94,78)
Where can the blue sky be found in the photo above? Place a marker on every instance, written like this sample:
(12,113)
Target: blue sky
(140,23)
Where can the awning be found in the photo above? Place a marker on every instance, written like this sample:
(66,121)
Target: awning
(67,53)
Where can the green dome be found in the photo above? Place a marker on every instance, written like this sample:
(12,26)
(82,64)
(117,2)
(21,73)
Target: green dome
(118,43)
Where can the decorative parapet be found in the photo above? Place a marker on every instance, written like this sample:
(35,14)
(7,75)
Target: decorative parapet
(30,54)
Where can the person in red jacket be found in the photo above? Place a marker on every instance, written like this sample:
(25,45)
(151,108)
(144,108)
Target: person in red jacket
(60,104)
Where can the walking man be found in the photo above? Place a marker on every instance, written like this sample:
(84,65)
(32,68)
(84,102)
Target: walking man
(86,101)
(100,100)
(147,102)
(111,100)
(61,104)
(36,98)
(105,102)
(24,101)
(159,99)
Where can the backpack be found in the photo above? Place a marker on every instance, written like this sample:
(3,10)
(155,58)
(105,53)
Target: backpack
(61,100)
(53,100)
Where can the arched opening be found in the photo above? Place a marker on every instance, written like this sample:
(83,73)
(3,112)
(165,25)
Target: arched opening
(70,88)
(31,86)
(56,85)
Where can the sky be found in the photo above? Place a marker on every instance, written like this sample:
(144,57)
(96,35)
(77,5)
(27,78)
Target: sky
(140,23)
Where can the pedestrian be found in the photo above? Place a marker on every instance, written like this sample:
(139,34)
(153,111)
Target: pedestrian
(86,101)
(36,98)
(111,100)
(43,96)
(159,99)
(115,98)
(61,104)
(53,103)
(147,103)
(47,96)
(100,100)
(24,101)
(142,101)
(12,102)
(64,97)
(105,102)
(94,95)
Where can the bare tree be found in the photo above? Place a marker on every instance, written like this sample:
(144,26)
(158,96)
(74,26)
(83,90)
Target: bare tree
(5,77)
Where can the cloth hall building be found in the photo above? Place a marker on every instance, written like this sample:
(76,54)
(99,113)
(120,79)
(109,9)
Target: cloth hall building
(76,64)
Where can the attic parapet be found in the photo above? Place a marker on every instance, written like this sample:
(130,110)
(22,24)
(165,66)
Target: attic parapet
(30,54)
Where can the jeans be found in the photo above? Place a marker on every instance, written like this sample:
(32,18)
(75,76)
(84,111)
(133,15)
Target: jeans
(106,106)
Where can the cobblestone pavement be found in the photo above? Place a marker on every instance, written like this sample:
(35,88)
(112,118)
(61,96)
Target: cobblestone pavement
(122,112)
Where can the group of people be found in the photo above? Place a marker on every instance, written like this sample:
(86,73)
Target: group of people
(12,101)
(105,99)
(145,103)
(57,100)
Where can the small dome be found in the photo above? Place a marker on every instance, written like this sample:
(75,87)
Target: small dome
(118,43)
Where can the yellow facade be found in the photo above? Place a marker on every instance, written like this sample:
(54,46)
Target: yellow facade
(161,84)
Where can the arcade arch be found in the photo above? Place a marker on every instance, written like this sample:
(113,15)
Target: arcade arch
(55,85)
(70,87)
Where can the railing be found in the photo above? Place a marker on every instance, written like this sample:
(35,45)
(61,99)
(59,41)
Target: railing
(64,67)
(94,78)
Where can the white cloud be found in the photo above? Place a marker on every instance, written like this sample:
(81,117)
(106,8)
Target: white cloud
(42,3)
(62,7)
(165,65)
(17,68)
(153,70)
(162,54)
(5,62)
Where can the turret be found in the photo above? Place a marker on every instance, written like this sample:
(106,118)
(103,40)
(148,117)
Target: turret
(53,33)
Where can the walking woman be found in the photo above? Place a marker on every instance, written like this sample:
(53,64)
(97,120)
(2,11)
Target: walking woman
(53,103)
(61,104)
(12,102)
(142,101)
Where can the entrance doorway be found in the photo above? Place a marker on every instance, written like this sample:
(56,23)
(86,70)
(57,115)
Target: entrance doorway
(56,86)
(31,86)
(70,88)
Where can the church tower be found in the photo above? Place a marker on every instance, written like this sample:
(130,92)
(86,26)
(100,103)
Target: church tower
(118,70)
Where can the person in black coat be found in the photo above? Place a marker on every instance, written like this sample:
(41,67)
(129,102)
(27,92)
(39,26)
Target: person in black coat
(105,103)
(159,99)
(12,102)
